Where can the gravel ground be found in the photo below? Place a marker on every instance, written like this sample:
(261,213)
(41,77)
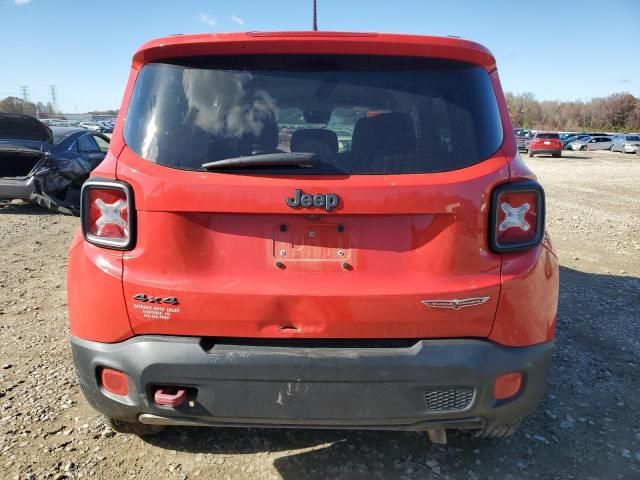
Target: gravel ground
(588,426)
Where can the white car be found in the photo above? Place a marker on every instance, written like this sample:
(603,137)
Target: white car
(591,143)
(626,143)
(91,126)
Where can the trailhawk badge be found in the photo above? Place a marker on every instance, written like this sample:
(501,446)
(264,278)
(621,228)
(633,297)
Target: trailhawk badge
(328,201)
(456,304)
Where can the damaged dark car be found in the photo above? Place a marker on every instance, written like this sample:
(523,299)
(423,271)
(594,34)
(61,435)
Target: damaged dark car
(46,165)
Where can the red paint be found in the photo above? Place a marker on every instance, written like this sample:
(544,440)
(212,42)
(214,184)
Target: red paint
(528,303)
(97,310)
(313,43)
(412,237)
(406,238)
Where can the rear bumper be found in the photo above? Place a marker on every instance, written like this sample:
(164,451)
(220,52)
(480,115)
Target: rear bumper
(546,151)
(315,386)
(16,188)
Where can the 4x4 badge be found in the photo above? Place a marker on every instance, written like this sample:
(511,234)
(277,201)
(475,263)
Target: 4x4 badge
(328,201)
(141,297)
(456,304)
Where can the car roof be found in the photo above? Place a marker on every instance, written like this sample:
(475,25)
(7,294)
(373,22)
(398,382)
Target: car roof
(60,133)
(313,42)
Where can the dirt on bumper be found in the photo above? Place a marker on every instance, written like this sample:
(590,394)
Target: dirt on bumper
(291,386)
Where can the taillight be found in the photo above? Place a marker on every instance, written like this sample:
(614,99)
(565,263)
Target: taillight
(517,216)
(107,214)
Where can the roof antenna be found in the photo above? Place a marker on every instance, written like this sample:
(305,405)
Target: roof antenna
(315,16)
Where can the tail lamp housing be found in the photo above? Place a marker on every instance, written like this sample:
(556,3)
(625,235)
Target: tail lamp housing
(107,214)
(517,216)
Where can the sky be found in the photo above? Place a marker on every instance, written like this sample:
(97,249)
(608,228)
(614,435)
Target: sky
(558,50)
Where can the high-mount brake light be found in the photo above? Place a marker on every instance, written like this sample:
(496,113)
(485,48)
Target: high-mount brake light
(517,216)
(107,214)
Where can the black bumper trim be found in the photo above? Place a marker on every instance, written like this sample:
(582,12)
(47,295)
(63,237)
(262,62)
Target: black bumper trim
(364,388)
(546,151)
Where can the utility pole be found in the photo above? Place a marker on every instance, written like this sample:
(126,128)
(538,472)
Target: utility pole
(53,93)
(24,89)
(315,16)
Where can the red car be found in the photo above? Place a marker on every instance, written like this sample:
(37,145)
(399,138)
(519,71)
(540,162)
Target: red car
(546,143)
(227,275)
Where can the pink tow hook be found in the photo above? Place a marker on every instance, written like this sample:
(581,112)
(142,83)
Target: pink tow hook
(170,396)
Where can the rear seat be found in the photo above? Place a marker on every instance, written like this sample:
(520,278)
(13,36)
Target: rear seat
(321,141)
(382,141)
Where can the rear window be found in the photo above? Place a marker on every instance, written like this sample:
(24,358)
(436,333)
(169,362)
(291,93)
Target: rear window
(358,114)
(547,135)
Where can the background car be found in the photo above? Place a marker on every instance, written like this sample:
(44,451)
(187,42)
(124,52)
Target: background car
(626,143)
(106,127)
(46,165)
(546,142)
(572,138)
(591,143)
(523,137)
(92,126)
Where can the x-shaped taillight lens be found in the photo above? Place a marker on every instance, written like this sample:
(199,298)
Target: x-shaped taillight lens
(106,214)
(514,217)
(517,216)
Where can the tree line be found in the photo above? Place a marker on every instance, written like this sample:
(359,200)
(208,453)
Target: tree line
(619,112)
(19,105)
(39,109)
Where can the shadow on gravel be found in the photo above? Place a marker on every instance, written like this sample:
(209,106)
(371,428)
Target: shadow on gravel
(24,209)
(340,454)
(582,429)
(572,157)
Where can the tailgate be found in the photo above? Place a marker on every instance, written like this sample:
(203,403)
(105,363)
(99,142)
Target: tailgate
(389,262)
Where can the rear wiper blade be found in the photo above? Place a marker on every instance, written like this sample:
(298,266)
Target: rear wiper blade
(302,159)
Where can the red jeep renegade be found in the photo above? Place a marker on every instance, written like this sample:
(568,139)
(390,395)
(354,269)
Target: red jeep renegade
(313,229)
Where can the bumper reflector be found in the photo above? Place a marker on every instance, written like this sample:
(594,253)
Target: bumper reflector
(507,385)
(114,381)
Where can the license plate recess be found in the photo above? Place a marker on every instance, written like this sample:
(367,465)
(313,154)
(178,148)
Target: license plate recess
(312,243)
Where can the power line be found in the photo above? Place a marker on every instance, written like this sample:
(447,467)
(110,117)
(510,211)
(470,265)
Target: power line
(53,94)
(24,89)
(315,16)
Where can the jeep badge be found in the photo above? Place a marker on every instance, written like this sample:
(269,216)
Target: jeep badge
(328,201)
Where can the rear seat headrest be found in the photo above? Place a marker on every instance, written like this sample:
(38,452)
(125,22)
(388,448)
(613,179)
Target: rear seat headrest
(306,136)
(266,140)
(384,134)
